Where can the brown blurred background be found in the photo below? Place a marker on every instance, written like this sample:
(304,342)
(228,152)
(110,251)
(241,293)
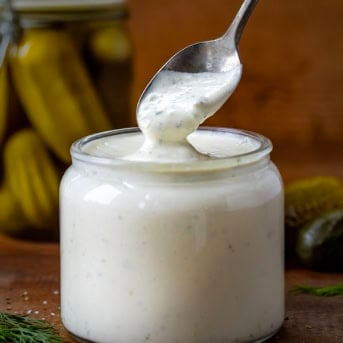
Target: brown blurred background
(292,53)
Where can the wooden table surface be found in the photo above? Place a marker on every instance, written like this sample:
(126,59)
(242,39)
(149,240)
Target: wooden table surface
(29,284)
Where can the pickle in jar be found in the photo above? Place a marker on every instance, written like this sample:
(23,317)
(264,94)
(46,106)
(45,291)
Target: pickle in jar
(55,89)
(3,101)
(110,53)
(32,178)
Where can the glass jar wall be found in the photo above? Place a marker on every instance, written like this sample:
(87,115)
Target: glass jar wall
(172,252)
(66,73)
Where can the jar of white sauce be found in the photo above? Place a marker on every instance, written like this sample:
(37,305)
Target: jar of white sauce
(188,252)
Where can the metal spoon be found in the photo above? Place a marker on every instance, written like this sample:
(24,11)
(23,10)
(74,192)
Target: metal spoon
(218,55)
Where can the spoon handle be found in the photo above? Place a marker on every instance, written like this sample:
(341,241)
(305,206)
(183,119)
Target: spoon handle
(233,34)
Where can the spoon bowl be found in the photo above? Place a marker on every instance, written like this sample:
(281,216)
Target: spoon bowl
(213,56)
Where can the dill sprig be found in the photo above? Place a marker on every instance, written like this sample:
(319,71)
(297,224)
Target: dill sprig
(22,329)
(327,291)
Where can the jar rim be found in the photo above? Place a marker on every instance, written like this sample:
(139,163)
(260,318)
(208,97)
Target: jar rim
(239,160)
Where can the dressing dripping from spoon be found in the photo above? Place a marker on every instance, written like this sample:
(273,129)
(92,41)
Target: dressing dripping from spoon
(187,90)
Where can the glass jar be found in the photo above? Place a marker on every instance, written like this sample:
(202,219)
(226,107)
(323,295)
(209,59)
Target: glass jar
(172,252)
(66,72)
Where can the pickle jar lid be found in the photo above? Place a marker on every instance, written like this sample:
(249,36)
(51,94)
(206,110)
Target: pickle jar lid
(43,12)
(37,5)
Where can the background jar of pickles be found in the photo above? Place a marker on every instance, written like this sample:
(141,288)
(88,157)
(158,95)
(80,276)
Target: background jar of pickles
(65,73)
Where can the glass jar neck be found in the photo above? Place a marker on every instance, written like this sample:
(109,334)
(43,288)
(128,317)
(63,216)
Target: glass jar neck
(48,18)
(30,17)
(249,158)
(135,176)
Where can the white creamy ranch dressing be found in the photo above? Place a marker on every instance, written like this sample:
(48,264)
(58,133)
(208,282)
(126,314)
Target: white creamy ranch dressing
(173,235)
(177,103)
